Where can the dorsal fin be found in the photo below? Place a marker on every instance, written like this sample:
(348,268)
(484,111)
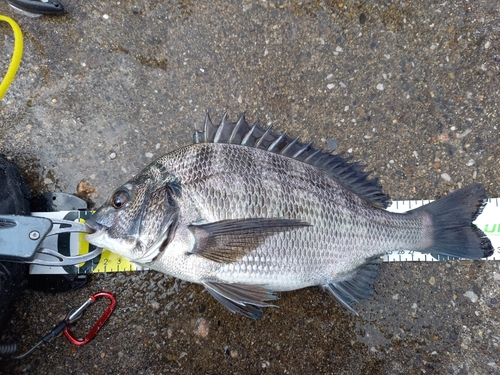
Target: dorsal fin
(340,168)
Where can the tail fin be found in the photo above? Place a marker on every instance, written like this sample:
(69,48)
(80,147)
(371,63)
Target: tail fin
(452,217)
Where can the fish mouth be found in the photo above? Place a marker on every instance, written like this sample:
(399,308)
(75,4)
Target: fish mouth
(93,226)
(95,230)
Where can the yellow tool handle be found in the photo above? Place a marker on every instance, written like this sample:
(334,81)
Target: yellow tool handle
(16,55)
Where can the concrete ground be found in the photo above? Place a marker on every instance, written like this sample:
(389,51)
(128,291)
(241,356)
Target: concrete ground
(409,88)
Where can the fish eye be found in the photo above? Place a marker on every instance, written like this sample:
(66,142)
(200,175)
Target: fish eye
(119,198)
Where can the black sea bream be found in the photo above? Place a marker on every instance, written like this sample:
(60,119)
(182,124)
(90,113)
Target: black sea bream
(246,212)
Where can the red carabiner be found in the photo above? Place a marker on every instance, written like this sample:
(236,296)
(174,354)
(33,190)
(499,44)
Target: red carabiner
(77,313)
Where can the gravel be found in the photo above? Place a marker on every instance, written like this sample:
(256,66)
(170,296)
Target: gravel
(408,88)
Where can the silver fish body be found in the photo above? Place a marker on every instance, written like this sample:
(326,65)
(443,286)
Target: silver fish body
(226,182)
(246,213)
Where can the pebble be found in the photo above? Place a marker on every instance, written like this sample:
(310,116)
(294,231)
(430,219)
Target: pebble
(155,305)
(84,189)
(470,163)
(201,328)
(47,181)
(112,155)
(149,155)
(464,133)
(331,144)
(446,177)
(380,87)
(471,295)
(432,280)
(330,86)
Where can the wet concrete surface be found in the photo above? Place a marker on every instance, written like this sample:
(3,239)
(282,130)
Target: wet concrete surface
(409,88)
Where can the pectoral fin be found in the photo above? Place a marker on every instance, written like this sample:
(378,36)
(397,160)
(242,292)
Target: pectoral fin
(229,240)
(240,298)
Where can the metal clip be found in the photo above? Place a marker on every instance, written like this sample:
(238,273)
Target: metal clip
(76,314)
(8,350)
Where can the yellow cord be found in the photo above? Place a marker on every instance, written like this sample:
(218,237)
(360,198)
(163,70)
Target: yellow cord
(16,56)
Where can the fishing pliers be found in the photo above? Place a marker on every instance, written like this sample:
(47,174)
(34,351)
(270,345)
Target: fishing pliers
(38,6)
(21,238)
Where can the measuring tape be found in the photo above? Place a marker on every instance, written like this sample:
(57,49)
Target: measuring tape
(71,244)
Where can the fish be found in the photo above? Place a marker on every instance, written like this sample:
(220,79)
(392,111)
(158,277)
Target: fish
(247,213)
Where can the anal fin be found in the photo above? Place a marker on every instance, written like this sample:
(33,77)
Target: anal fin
(241,298)
(356,287)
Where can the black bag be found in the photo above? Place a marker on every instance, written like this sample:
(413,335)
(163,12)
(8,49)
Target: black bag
(14,195)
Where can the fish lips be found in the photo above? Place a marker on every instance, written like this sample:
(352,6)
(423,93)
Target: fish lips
(96,231)
(94,228)
(99,236)
(93,225)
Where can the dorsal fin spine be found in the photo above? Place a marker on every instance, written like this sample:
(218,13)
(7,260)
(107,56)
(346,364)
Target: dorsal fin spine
(207,126)
(259,141)
(247,136)
(223,122)
(239,124)
(288,146)
(313,155)
(220,128)
(337,166)
(273,145)
(299,152)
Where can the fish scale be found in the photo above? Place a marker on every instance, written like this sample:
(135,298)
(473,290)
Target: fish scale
(246,213)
